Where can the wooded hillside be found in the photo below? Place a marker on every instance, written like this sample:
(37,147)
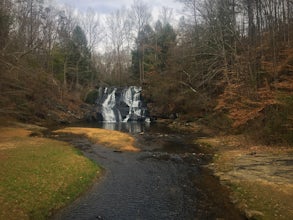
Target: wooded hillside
(228,63)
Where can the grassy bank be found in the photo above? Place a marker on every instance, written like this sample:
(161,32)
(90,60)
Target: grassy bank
(114,139)
(259,176)
(39,175)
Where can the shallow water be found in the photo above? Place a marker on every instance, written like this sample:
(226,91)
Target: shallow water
(163,181)
(127,127)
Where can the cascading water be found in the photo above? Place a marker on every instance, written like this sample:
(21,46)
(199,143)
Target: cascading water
(110,114)
(122,105)
(131,97)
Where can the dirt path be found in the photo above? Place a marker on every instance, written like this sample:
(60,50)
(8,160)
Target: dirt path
(160,182)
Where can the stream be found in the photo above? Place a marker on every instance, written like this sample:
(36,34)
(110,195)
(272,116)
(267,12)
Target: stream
(165,180)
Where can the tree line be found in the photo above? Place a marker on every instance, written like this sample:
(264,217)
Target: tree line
(68,45)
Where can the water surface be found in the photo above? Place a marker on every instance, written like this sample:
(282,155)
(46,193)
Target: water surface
(163,181)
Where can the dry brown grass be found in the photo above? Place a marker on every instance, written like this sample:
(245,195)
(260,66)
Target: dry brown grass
(258,175)
(115,139)
(13,132)
(265,200)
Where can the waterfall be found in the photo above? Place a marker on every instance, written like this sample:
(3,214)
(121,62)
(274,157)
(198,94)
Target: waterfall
(122,105)
(131,97)
(108,107)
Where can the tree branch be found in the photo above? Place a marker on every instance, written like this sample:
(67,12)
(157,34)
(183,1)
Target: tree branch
(189,86)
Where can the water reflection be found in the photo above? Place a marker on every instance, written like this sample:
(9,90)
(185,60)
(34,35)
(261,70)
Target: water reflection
(130,127)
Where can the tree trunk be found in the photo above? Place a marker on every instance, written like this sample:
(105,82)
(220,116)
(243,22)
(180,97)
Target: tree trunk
(251,29)
(77,73)
(64,73)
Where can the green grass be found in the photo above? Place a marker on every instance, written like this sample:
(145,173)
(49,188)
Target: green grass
(38,176)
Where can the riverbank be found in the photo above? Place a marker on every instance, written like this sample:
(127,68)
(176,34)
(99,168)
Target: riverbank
(259,176)
(39,175)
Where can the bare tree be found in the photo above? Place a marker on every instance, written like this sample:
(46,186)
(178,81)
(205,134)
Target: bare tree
(65,28)
(141,16)
(192,8)
(93,28)
(95,32)
(118,30)
(166,15)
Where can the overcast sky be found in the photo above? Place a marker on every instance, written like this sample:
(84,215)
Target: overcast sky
(104,7)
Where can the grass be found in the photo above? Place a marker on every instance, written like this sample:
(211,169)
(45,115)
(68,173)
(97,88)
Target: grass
(114,139)
(38,175)
(263,197)
(273,201)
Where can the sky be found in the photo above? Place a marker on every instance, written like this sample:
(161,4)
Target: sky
(104,7)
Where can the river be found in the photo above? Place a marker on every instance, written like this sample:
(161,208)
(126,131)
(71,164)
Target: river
(165,180)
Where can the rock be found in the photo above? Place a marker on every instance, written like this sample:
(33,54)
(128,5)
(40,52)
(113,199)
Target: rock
(176,158)
(61,107)
(173,116)
(252,153)
(64,121)
(40,115)
(94,116)
(36,134)
(253,214)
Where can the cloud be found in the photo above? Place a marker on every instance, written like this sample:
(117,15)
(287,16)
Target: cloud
(101,6)
(108,6)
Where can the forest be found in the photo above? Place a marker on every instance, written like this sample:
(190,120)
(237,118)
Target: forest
(225,63)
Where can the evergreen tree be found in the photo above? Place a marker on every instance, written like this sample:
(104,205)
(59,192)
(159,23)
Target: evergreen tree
(166,39)
(152,49)
(80,56)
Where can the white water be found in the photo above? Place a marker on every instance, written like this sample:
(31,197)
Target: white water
(108,108)
(128,101)
(131,97)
